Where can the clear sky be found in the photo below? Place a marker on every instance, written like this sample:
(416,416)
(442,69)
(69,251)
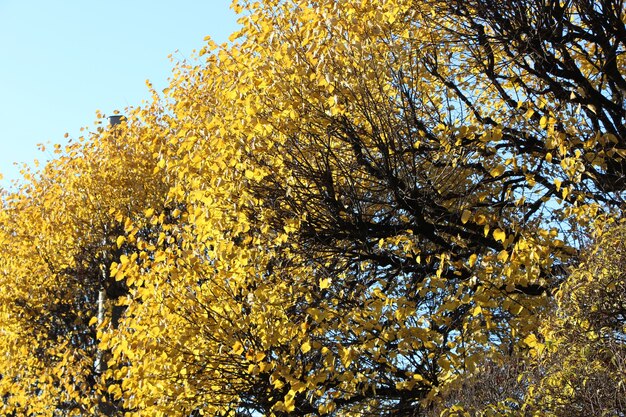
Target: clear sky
(60,61)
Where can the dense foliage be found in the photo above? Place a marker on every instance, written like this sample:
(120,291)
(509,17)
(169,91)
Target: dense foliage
(403,207)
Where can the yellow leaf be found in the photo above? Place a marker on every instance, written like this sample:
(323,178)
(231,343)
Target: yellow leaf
(465,216)
(290,403)
(531,341)
(472,260)
(120,241)
(499,235)
(237,348)
(306,346)
(116,391)
(497,171)
(345,354)
(93,321)
(324,283)
(516,308)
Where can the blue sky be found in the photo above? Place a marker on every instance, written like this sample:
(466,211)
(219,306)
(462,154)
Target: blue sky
(61,61)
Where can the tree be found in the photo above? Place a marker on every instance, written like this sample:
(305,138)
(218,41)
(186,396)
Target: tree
(60,233)
(409,231)
(369,205)
(581,348)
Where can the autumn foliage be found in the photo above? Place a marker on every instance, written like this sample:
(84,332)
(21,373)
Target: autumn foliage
(353,208)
